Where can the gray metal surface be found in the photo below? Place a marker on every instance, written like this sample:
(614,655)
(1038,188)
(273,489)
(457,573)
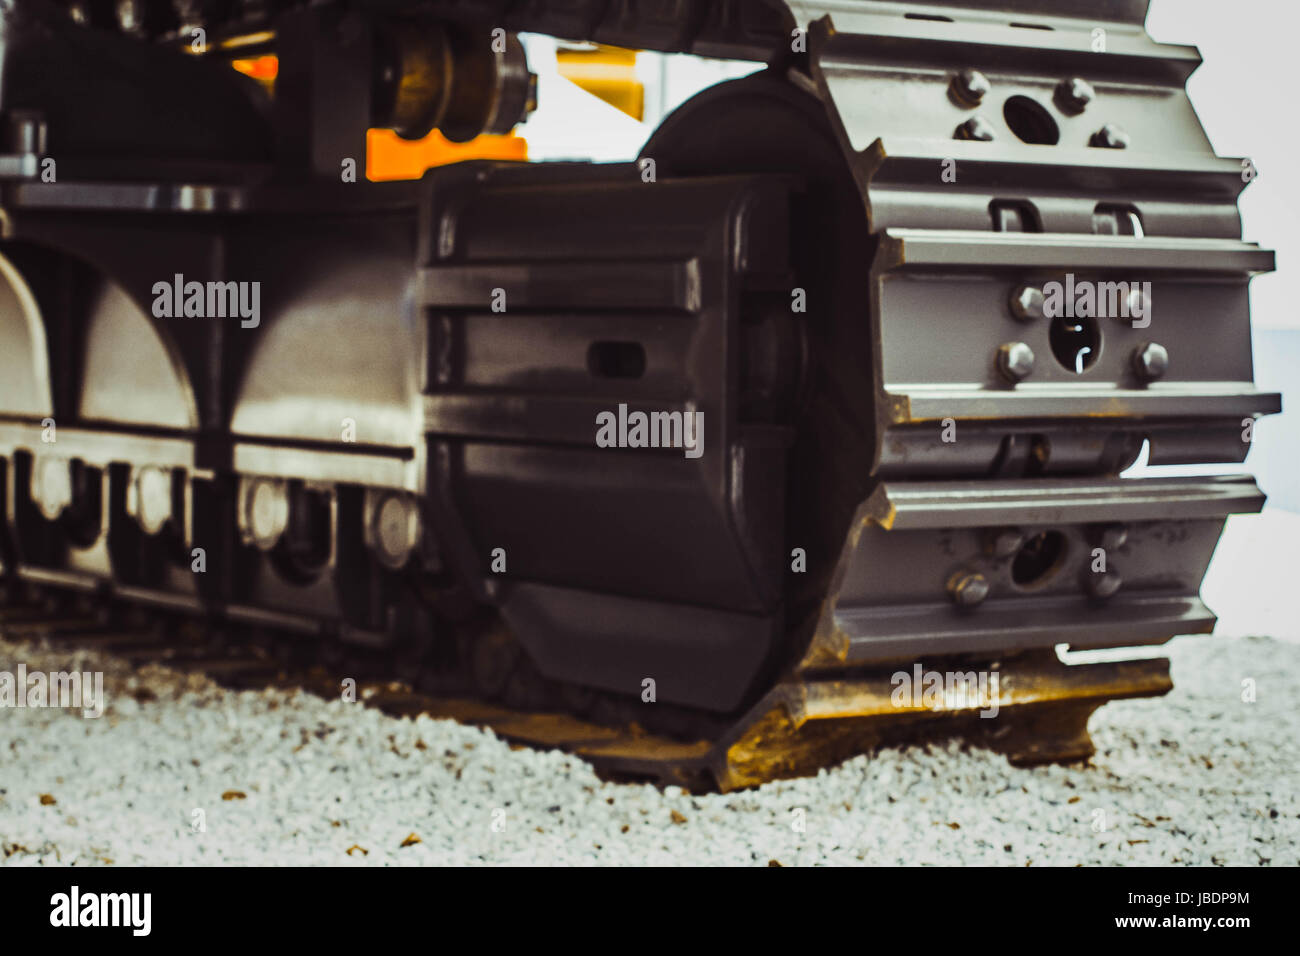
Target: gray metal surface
(943,452)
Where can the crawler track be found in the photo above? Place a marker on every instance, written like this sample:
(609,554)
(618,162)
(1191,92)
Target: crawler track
(1043,705)
(933,279)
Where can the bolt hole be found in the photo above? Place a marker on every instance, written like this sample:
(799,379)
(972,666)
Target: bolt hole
(1076,342)
(1038,559)
(1030,121)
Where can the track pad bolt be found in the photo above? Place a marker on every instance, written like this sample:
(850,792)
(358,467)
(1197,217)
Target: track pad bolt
(976,128)
(1150,361)
(1015,361)
(1028,303)
(969,87)
(1074,95)
(1110,136)
(1110,536)
(968,588)
(1102,584)
(1004,542)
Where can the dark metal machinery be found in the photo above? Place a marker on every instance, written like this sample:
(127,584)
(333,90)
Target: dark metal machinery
(395,445)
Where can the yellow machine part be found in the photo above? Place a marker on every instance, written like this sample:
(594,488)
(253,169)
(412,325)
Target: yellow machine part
(608,72)
(261,68)
(390,157)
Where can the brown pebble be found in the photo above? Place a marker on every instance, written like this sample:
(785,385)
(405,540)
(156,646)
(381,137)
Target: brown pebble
(47,800)
(678,818)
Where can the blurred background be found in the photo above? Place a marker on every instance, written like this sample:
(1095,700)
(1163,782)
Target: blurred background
(1248,62)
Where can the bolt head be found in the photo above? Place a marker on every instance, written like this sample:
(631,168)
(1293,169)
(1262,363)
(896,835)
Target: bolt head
(1074,94)
(968,588)
(1006,541)
(1028,303)
(1103,584)
(1150,361)
(1015,361)
(1111,536)
(970,86)
(1110,136)
(976,128)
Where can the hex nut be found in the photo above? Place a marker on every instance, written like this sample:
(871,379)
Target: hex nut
(976,128)
(1028,303)
(1150,361)
(968,588)
(1015,361)
(1074,94)
(1110,136)
(969,87)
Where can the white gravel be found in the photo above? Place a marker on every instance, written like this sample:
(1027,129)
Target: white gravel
(1199,777)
